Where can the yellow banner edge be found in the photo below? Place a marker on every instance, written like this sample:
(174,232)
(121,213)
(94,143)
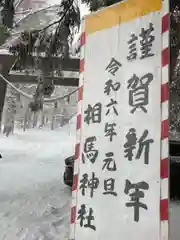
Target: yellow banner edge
(119,13)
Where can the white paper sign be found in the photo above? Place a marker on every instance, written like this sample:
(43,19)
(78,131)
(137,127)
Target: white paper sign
(119,177)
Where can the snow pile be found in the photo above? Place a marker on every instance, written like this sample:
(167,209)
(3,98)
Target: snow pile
(34,202)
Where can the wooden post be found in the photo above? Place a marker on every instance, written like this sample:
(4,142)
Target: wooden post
(3,87)
(5,64)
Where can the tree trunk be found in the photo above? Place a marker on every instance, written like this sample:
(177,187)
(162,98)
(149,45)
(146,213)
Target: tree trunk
(53,121)
(10,110)
(35,119)
(42,120)
(26,118)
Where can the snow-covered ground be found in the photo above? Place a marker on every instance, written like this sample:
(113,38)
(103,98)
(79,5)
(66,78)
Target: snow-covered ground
(34,202)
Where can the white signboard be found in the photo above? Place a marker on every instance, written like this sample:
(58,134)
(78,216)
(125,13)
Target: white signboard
(119,174)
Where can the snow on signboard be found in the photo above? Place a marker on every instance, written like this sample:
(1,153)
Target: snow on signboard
(118,190)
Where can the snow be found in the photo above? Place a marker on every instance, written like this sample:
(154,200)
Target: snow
(34,202)
(4,52)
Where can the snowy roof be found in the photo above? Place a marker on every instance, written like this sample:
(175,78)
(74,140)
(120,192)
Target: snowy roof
(30,17)
(33,4)
(36,19)
(4,52)
(31,20)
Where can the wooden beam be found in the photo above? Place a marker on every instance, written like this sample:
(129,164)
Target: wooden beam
(69,64)
(30,79)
